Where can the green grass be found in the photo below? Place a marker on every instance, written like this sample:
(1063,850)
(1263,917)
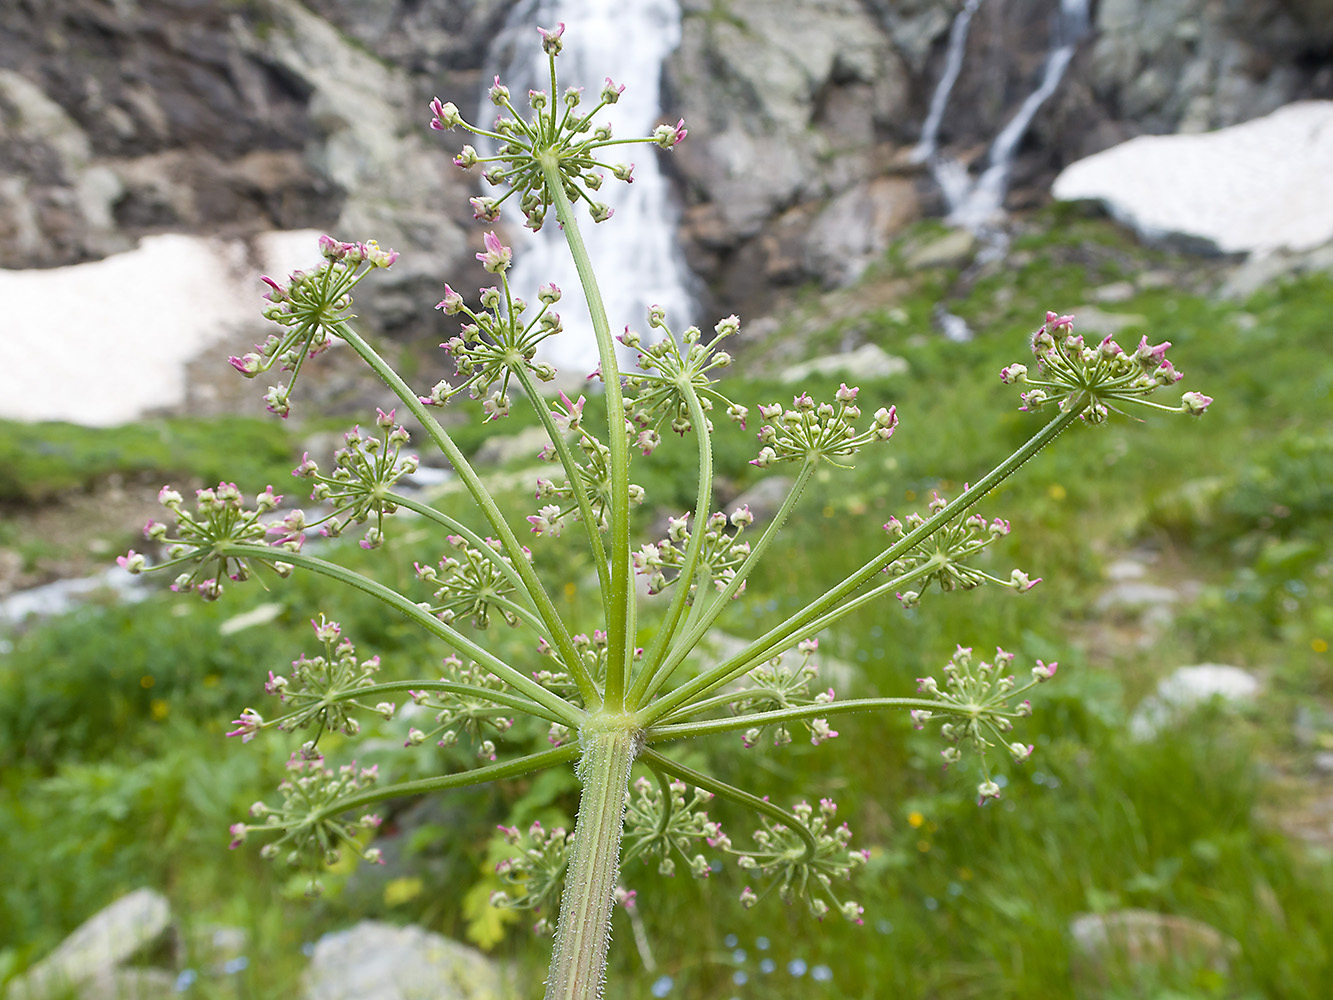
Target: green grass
(40,461)
(112,781)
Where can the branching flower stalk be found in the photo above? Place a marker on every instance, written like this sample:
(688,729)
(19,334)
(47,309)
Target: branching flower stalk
(603,701)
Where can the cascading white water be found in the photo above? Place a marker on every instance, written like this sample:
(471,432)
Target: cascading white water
(928,145)
(975,203)
(635,254)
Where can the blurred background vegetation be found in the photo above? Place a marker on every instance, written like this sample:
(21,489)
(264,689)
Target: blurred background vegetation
(111,717)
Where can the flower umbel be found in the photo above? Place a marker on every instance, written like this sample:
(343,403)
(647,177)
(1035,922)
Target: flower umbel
(556,133)
(472,582)
(939,559)
(719,557)
(1071,372)
(199,544)
(321,691)
(313,834)
(361,483)
(802,857)
(661,823)
(495,341)
(310,307)
(823,430)
(980,700)
(533,873)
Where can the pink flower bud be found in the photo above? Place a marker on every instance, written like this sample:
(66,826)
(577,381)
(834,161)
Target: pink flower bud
(1194,403)
(551,43)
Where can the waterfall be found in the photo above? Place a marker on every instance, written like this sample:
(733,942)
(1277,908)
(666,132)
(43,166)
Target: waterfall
(635,254)
(953,64)
(974,203)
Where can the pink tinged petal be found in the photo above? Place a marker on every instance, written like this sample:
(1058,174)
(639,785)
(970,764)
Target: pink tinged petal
(132,562)
(1195,403)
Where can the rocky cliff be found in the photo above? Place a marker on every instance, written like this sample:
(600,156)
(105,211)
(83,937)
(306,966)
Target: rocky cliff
(128,117)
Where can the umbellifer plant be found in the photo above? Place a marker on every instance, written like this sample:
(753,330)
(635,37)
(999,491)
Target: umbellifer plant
(609,705)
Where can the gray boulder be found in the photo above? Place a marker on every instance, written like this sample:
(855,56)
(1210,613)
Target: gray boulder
(90,955)
(867,361)
(1186,689)
(377,961)
(1104,942)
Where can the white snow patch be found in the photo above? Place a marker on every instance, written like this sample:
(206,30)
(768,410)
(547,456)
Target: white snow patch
(1263,185)
(104,342)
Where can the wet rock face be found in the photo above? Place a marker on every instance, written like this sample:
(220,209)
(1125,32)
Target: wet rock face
(799,110)
(120,119)
(790,104)
(134,117)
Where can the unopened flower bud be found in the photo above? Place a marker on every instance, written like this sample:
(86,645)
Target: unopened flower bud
(1044,671)
(1194,403)
(551,43)
(446,113)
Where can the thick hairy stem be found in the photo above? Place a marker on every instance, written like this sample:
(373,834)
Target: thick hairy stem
(620,645)
(578,965)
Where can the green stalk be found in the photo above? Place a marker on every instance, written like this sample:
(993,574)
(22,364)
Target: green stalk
(657,649)
(575,480)
(700,629)
(479,775)
(711,727)
(830,600)
(560,635)
(500,698)
(620,642)
(568,713)
(578,964)
(782,637)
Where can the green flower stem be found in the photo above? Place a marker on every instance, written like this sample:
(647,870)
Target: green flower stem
(578,963)
(711,784)
(575,480)
(459,528)
(782,638)
(568,714)
(711,727)
(477,776)
(692,637)
(560,635)
(817,608)
(657,649)
(502,698)
(664,787)
(620,639)
(521,613)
